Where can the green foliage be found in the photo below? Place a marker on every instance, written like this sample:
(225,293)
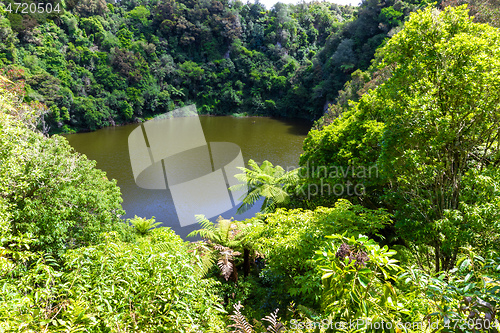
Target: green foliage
(357,276)
(143,226)
(289,239)
(429,131)
(221,243)
(481,11)
(226,58)
(272,183)
(417,129)
(149,285)
(53,194)
(159,289)
(334,155)
(390,16)
(437,123)
(464,300)
(225,232)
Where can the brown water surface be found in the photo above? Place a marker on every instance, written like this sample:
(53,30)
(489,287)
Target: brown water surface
(279,141)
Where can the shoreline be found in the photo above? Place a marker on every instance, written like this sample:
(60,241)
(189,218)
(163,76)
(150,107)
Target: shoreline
(143,120)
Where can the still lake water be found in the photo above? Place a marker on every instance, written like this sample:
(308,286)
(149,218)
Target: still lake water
(279,141)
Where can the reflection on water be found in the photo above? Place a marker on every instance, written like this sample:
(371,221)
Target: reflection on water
(279,141)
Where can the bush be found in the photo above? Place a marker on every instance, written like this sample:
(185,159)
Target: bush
(148,286)
(289,239)
(53,194)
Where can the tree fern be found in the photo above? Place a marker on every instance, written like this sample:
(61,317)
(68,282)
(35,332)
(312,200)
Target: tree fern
(272,183)
(221,242)
(226,232)
(142,225)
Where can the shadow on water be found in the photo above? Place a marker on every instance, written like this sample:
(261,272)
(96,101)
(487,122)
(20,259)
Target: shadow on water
(297,126)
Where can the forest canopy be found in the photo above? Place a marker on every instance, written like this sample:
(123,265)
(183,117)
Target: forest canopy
(416,251)
(97,64)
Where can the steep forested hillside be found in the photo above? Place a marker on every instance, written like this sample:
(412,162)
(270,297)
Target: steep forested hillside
(96,64)
(390,224)
(361,81)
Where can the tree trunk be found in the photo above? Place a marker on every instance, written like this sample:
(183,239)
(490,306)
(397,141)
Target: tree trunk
(437,258)
(234,274)
(246,262)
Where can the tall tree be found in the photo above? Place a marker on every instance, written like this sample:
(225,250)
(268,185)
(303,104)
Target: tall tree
(442,121)
(433,129)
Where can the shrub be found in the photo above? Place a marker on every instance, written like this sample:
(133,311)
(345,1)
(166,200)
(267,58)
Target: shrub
(151,285)
(289,238)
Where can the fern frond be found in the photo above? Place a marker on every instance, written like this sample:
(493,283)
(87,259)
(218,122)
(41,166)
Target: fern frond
(205,262)
(274,325)
(203,221)
(241,324)
(226,267)
(239,187)
(207,228)
(205,257)
(248,200)
(225,229)
(162,247)
(268,181)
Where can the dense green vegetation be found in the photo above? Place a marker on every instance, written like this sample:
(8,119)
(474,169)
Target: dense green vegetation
(98,64)
(391,224)
(433,138)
